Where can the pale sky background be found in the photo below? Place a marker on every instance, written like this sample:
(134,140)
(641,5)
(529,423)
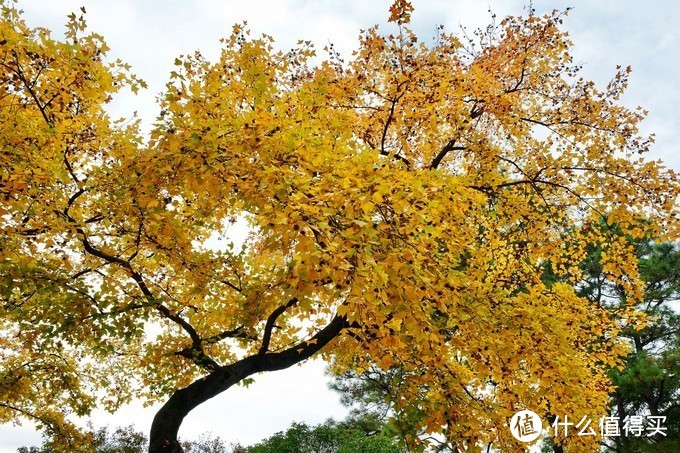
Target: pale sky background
(149,34)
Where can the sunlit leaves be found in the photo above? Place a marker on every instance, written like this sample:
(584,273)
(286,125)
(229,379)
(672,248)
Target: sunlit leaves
(421,191)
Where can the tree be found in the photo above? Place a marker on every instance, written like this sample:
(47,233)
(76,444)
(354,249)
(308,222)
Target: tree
(121,440)
(648,385)
(401,207)
(329,437)
(376,406)
(128,440)
(367,428)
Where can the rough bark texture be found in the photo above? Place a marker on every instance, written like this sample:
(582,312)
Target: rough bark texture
(166,423)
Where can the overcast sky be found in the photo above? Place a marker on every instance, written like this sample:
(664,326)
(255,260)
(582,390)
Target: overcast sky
(149,34)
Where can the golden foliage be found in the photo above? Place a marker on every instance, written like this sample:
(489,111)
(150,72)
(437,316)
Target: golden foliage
(420,191)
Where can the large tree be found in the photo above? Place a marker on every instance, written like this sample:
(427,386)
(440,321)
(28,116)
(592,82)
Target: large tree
(646,386)
(401,207)
(649,385)
(329,437)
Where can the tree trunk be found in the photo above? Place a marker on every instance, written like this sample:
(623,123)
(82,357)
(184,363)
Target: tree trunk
(166,423)
(621,441)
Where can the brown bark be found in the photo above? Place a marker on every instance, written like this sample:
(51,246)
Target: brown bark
(166,423)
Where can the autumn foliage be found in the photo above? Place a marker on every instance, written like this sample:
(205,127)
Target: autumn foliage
(402,208)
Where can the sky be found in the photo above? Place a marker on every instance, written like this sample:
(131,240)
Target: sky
(149,34)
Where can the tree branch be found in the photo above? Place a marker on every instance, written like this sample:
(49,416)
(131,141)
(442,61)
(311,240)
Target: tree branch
(269,325)
(198,355)
(450,146)
(233,333)
(30,90)
(168,419)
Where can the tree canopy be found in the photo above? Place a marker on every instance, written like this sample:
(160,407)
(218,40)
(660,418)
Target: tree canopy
(401,208)
(329,437)
(647,385)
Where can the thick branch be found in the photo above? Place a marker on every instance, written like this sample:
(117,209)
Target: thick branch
(450,146)
(166,423)
(388,121)
(269,325)
(397,156)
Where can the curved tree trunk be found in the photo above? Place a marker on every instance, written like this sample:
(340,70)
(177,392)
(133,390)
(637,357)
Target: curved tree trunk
(166,423)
